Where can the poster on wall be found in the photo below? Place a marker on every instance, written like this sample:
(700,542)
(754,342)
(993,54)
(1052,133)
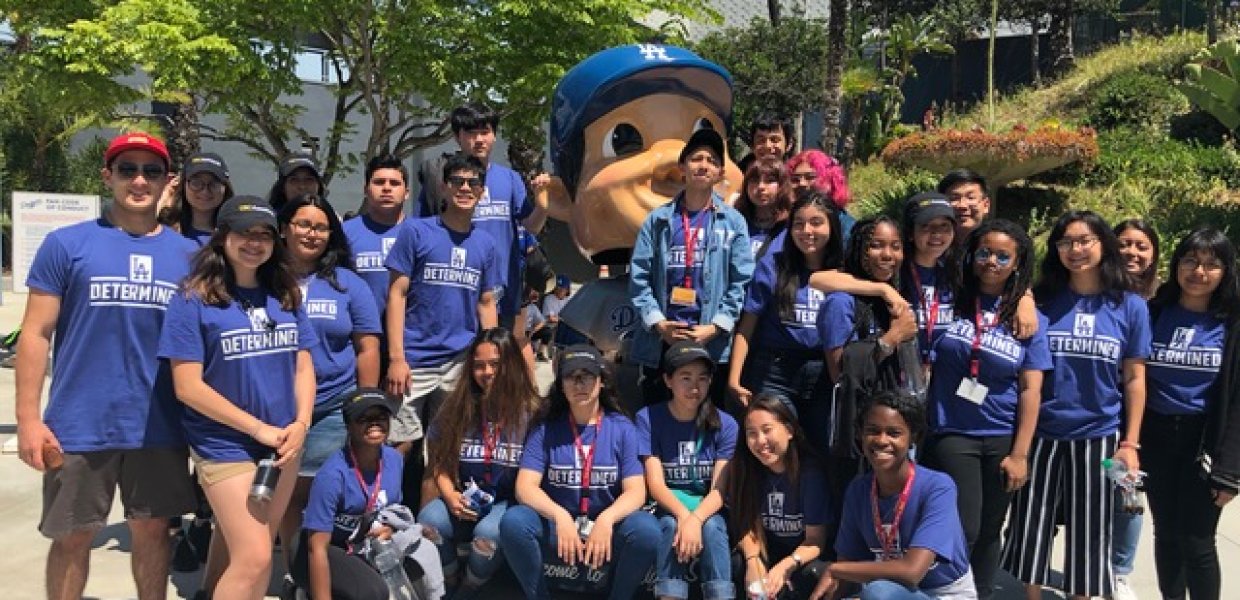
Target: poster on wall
(36,214)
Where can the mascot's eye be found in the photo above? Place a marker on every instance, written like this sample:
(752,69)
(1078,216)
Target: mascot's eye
(622,140)
(703,123)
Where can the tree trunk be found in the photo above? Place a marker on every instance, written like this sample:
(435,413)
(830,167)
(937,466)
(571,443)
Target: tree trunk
(183,136)
(1035,57)
(1211,21)
(772,10)
(837,22)
(1063,18)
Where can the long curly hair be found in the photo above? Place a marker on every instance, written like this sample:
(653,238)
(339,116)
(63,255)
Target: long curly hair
(1017,283)
(511,403)
(336,253)
(746,475)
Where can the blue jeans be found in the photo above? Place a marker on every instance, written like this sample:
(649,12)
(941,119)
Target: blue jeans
(1125,534)
(714,563)
(528,536)
(794,377)
(452,531)
(326,435)
(885,589)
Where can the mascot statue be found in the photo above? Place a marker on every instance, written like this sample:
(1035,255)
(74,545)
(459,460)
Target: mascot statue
(619,120)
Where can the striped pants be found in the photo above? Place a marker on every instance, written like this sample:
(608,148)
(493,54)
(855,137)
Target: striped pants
(1067,473)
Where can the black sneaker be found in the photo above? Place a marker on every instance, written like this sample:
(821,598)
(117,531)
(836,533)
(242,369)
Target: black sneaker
(184,558)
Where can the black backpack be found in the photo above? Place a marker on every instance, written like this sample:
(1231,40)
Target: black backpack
(861,376)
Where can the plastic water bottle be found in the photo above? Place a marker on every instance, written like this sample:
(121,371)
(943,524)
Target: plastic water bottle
(757,590)
(1127,482)
(390,564)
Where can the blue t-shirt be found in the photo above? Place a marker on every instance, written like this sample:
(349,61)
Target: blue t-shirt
(448,272)
(109,391)
(786,511)
(837,320)
(688,459)
(337,501)
(799,334)
(248,356)
(198,236)
(700,226)
(1090,337)
(370,241)
(1186,357)
(502,207)
(758,237)
(930,521)
(504,460)
(551,451)
(1001,359)
(336,317)
(933,284)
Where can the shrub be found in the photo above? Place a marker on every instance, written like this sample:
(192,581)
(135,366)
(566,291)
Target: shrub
(1136,99)
(1127,154)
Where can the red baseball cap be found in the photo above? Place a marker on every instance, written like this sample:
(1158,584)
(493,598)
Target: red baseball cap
(136,141)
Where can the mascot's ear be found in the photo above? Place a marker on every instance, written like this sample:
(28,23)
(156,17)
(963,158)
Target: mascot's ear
(556,199)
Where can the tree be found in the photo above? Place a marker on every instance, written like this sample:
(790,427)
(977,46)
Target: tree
(837,55)
(397,65)
(777,70)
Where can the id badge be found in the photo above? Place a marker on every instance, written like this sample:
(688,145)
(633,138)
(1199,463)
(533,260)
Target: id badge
(584,526)
(684,296)
(972,391)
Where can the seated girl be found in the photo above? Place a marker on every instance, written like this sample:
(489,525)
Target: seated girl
(685,443)
(900,535)
(580,486)
(777,499)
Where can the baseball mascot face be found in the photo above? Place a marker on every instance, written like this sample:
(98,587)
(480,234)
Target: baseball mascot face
(619,121)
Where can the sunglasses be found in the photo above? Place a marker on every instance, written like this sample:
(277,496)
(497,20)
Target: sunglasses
(457,181)
(128,170)
(199,185)
(983,255)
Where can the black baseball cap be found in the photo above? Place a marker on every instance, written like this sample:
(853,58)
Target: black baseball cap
(240,213)
(684,352)
(299,160)
(928,206)
(703,137)
(580,357)
(363,400)
(206,162)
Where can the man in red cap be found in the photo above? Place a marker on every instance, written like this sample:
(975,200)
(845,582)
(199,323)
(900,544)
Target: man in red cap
(112,420)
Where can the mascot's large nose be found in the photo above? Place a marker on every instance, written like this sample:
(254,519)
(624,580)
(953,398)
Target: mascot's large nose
(665,166)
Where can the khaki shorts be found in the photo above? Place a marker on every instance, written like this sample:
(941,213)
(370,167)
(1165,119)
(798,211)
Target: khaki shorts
(211,472)
(154,484)
(427,388)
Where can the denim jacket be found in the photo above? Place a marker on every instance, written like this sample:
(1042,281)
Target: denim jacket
(726,270)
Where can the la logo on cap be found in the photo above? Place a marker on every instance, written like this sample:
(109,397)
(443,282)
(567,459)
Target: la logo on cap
(139,139)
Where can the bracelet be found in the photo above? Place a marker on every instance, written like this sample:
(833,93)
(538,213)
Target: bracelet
(1127,444)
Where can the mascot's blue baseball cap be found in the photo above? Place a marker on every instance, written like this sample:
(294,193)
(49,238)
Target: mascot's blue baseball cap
(616,76)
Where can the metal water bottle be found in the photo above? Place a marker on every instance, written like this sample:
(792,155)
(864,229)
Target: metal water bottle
(265,479)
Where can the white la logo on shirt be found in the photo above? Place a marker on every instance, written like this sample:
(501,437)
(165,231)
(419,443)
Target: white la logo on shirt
(258,319)
(458,258)
(814,298)
(1084,326)
(775,504)
(687,452)
(1182,338)
(585,451)
(387,246)
(141,268)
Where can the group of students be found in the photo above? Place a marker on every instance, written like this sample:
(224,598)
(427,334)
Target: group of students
(353,353)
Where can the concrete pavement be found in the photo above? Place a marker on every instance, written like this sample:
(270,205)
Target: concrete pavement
(21,570)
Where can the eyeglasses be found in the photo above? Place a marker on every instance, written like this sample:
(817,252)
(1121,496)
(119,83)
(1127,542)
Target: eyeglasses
(1190,263)
(257,236)
(1084,243)
(199,185)
(582,379)
(128,170)
(307,226)
(457,181)
(983,255)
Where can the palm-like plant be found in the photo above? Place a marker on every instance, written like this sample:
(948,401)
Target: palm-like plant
(1212,82)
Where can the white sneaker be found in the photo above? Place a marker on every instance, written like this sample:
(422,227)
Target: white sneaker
(1122,591)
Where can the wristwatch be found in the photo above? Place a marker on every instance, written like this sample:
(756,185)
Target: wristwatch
(797,560)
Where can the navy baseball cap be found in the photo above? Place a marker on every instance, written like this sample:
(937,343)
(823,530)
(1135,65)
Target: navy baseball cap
(684,352)
(364,399)
(240,213)
(616,76)
(563,281)
(927,206)
(299,160)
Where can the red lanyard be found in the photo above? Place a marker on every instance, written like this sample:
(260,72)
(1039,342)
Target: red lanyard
(489,442)
(371,496)
(932,315)
(979,328)
(587,458)
(691,235)
(887,533)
